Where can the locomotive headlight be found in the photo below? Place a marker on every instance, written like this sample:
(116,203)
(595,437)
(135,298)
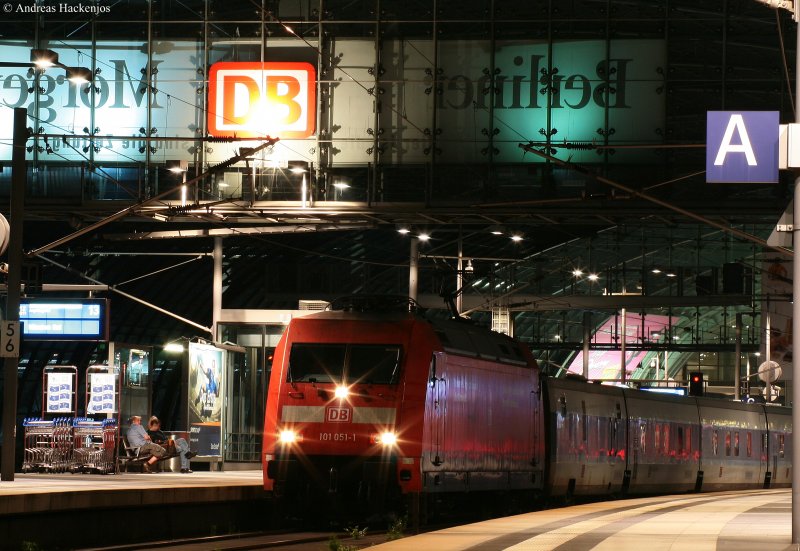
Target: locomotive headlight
(341,392)
(288,437)
(385,438)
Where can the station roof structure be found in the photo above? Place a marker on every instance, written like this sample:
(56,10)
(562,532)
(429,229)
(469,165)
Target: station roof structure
(575,208)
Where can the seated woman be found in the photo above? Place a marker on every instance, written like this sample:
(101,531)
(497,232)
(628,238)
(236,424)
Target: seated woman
(179,446)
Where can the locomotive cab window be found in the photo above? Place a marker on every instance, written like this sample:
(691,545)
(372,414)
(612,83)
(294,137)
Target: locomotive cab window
(344,363)
(373,364)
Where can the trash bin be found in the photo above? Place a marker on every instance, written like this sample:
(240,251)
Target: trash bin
(174,464)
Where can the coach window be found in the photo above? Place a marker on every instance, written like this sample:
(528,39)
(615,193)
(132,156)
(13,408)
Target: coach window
(736,443)
(680,446)
(715,442)
(657,438)
(781,449)
(749,444)
(727,443)
(584,421)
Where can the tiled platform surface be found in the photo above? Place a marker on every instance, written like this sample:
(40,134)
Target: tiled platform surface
(32,493)
(66,511)
(757,520)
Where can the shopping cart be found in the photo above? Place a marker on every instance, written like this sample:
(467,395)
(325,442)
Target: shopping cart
(93,445)
(48,445)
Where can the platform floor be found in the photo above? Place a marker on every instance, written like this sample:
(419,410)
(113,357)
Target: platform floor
(51,511)
(41,492)
(730,521)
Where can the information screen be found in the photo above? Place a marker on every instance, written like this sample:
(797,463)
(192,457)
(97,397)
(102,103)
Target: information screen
(64,319)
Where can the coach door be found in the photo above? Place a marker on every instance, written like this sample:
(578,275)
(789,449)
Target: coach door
(435,409)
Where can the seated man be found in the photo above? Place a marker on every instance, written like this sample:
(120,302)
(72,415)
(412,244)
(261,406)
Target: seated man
(180,444)
(138,438)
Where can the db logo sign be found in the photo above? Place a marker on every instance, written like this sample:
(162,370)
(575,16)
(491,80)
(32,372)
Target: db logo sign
(338,415)
(249,100)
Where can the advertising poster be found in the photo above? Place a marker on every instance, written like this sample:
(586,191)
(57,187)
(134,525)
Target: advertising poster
(59,393)
(101,393)
(205,398)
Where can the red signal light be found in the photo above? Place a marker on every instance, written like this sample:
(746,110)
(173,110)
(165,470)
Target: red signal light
(696,384)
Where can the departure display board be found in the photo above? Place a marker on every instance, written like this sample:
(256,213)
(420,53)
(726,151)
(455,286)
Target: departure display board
(64,319)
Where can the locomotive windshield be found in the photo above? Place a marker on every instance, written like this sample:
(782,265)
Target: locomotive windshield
(344,363)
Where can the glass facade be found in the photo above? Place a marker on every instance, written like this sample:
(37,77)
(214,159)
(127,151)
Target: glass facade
(404,103)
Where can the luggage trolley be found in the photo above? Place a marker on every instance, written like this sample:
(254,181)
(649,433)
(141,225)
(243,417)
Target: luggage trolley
(94,443)
(48,445)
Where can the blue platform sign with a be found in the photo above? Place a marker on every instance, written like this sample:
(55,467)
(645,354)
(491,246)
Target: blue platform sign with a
(742,146)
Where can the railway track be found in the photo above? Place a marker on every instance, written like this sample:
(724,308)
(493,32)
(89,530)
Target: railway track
(276,541)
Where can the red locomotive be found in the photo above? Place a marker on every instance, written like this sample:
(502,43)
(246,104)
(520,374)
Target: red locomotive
(372,401)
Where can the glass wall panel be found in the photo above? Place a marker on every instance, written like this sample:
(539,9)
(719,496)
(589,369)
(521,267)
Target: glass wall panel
(408,100)
(354,99)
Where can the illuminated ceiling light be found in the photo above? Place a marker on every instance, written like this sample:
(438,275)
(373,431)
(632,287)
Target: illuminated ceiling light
(177,167)
(469,268)
(516,238)
(403,230)
(160,217)
(655,271)
(593,277)
(174,347)
(577,273)
(341,185)
(670,274)
(341,392)
(423,236)
(758,354)
(79,75)
(298,167)
(44,58)
(496,230)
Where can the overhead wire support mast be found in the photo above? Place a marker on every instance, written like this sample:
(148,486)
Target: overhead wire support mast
(269,142)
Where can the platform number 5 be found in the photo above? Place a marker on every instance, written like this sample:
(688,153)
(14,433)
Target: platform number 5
(9,340)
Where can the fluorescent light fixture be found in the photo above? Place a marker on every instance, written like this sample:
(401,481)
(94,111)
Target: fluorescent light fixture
(173,347)
(160,217)
(593,277)
(341,185)
(177,166)
(516,238)
(577,273)
(423,236)
(403,231)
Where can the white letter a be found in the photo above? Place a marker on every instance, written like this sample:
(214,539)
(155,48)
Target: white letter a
(736,123)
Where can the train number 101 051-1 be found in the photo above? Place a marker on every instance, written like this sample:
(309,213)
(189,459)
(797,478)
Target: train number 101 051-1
(337,437)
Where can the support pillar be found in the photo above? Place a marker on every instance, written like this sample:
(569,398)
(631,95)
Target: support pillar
(413,264)
(15,253)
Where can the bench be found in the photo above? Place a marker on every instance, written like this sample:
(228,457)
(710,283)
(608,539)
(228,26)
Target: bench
(130,456)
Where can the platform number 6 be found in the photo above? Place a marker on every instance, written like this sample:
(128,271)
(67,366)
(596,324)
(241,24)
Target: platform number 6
(9,348)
